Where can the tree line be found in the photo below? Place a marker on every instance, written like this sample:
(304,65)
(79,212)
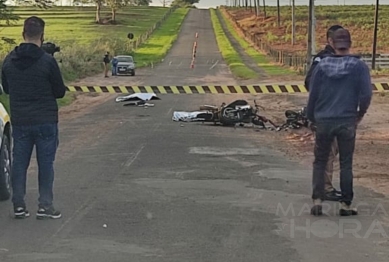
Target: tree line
(115,5)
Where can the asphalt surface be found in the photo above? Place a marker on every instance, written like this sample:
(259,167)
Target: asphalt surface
(135,186)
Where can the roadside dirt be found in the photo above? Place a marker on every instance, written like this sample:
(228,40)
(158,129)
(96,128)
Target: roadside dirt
(83,103)
(372,146)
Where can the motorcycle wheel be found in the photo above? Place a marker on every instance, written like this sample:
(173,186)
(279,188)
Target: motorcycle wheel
(226,119)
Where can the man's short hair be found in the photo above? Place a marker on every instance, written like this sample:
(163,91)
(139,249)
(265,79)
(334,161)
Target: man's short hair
(33,27)
(332,29)
(342,39)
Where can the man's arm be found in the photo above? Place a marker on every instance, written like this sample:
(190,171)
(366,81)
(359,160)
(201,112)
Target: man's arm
(313,94)
(57,84)
(4,82)
(308,78)
(365,90)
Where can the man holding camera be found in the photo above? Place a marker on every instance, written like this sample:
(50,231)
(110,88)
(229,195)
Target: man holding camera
(33,81)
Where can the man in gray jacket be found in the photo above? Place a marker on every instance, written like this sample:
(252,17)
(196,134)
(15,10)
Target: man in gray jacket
(340,95)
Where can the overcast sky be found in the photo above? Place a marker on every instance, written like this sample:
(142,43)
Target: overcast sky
(202,4)
(214,3)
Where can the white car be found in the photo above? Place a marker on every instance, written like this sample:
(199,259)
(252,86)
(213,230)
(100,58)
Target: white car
(5,152)
(125,65)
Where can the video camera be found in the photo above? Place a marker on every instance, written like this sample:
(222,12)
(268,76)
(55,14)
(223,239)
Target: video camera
(50,48)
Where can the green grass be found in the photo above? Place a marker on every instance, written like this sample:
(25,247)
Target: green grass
(83,42)
(261,59)
(232,58)
(76,24)
(67,100)
(156,47)
(5,101)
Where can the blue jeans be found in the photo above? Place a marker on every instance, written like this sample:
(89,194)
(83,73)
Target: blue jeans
(345,133)
(45,139)
(114,69)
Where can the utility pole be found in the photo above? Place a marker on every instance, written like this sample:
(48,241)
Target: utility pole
(264,8)
(310,29)
(375,34)
(259,6)
(278,13)
(313,28)
(293,23)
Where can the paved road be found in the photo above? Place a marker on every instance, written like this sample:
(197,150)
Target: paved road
(209,67)
(172,192)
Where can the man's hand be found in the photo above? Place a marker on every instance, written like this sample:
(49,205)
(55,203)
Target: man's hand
(312,126)
(359,119)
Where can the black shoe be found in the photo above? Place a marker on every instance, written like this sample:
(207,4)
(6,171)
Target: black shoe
(317,210)
(346,210)
(21,212)
(333,195)
(48,213)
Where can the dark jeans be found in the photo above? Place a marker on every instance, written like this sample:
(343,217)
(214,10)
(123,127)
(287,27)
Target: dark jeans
(45,139)
(345,132)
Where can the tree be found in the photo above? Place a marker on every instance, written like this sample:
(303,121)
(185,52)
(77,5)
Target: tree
(9,18)
(184,3)
(141,2)
(45,4)
(98,3)
(115,5)
(165,2)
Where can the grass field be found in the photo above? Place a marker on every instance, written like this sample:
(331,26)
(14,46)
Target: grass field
(230,55)
(83,42)
(156,47)
(68,25)
(260,59)
(358,19)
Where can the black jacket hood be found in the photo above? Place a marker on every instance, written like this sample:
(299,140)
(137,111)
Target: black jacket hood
(329,49)
(25,55)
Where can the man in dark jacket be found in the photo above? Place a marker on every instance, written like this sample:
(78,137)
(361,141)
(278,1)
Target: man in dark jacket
(340,96)
(33,81)
(331,193)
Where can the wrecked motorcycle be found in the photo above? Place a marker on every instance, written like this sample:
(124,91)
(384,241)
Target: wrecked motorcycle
(237,112)
(296,119)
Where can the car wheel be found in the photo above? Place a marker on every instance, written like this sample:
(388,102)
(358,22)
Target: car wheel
(5,169)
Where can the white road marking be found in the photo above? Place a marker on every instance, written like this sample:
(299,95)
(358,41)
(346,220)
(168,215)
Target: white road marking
(217,61)
(132,159)
(170,110)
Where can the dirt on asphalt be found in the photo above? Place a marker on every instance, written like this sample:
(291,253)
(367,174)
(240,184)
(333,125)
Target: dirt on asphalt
(372,146)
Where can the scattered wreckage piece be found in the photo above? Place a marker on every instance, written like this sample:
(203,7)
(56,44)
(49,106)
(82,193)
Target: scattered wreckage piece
(139,103)
(295,119)
(236,113)
(193,116)
(138,99)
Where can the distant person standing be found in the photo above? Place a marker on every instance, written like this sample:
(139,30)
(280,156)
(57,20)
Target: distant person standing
(114,66)
(33,81)
(331,193)
(106,61)
(339,98)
